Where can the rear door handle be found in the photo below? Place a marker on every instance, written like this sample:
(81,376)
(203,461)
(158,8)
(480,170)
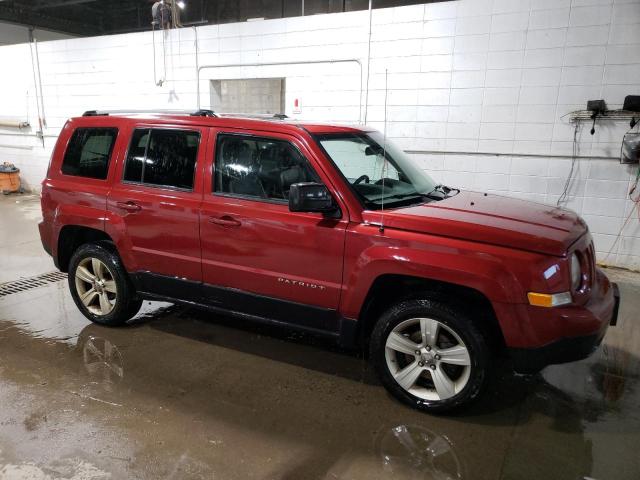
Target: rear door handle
(225,221)
(129,206)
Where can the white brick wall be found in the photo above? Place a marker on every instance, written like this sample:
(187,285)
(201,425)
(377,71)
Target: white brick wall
(482,87)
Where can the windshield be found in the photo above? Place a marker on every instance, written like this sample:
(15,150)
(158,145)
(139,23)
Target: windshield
(396,182)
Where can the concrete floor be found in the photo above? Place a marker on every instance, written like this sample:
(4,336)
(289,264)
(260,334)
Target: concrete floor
(184,394)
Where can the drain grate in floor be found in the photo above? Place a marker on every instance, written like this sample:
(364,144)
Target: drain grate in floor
(31,282)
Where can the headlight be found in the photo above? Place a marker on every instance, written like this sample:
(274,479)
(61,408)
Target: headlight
(576,273)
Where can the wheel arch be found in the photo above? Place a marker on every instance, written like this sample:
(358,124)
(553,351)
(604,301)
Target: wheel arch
(71,237)
(389,289)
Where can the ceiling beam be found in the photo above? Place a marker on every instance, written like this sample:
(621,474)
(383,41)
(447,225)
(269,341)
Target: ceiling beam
(61,3)
(32,18)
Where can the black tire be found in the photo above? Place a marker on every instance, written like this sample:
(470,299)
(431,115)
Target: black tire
(125,303)
(454,320)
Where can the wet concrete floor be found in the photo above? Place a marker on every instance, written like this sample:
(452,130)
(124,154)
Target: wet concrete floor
(184,394)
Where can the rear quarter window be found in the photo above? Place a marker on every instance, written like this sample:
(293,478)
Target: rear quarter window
(89,152)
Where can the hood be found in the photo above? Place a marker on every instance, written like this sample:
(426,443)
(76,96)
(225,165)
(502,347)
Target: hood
(491,219)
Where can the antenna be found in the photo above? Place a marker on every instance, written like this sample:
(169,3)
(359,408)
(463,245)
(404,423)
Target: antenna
(384,150)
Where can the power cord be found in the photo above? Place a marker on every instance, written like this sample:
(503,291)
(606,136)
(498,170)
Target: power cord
(574,159)
(635,208)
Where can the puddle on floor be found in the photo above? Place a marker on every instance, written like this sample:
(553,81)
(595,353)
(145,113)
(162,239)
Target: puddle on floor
(183,393)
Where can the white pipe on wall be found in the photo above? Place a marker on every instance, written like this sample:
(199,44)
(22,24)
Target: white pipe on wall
(366,97)
(13,124)
(18,147)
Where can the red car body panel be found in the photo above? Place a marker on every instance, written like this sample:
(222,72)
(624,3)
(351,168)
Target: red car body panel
(497,246)
(266,249)
(163,236)
(494,219)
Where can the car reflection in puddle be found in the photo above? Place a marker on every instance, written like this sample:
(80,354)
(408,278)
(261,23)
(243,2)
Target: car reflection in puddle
(103,362)
(412,451)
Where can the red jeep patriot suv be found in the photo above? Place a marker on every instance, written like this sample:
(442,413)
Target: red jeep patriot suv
(329,229)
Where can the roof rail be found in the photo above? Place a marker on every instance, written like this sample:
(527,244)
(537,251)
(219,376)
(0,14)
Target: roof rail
(278,116)
(198,113)
(203,113)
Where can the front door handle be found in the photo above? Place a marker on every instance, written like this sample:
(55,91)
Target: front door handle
(225,221)
(129,206)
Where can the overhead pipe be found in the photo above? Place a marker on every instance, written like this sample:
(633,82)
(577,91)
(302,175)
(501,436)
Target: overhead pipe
(163,32)
(157,82)
(272,64)
(40,132)
(366,98)
(196,47)
(44,116)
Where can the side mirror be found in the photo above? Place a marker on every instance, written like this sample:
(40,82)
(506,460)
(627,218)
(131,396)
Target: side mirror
(310,197)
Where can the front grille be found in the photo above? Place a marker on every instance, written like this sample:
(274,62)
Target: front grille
(24,284)
(591,261)
(588,266)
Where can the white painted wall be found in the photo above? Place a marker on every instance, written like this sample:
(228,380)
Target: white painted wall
(482,85)
(11,33)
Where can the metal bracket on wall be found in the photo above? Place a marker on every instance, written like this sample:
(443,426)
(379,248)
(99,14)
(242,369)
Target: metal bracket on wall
(614,115)
(272,64)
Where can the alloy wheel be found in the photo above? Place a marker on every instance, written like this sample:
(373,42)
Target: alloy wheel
(428,359)
(96,286)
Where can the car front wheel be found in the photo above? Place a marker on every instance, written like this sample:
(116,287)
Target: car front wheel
(429,355)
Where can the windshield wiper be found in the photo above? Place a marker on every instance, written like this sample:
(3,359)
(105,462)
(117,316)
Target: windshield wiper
(394,199)
(406,195)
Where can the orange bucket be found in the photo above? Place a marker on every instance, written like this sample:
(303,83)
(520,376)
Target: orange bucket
(9,179)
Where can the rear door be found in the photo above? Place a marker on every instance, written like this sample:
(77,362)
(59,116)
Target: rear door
(259,257)
(154,203)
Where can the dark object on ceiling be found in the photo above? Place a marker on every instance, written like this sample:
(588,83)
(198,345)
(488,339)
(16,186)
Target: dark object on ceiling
(161,14)
(104,17)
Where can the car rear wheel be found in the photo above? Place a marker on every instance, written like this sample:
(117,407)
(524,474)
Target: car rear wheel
(100,286)
(429,355)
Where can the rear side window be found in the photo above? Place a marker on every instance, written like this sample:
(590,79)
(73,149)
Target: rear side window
(89,152)
(164,158)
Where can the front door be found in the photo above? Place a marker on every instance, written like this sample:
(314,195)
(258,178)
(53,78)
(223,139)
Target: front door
(156,205)
(257,256)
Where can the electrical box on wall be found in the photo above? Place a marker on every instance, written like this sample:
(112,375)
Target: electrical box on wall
(297,106)
(632,103)
(630,148)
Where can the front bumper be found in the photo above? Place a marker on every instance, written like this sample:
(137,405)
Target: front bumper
(568,349)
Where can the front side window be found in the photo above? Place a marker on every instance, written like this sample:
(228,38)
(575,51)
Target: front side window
(89,152)
(259,167)
(379,172)
(164,158)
